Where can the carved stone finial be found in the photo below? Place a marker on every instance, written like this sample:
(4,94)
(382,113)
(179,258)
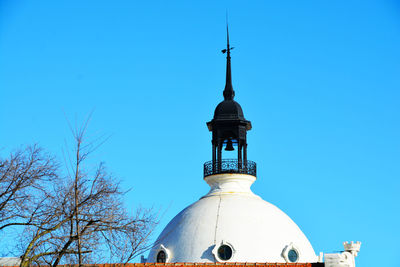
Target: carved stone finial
(346,258)
(352,247)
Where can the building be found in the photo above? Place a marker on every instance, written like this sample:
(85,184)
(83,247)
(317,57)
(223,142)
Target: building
(230,224)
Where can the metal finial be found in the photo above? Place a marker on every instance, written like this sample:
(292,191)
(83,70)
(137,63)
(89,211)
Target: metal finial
(229,94)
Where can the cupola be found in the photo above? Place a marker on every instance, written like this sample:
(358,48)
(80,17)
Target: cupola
(229,130)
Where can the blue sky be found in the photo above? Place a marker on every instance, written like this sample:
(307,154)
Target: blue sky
(319,81)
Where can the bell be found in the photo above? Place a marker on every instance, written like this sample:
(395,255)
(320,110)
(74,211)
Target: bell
(229,146)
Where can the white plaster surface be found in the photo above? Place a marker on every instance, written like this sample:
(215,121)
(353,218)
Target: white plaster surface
(230,213)
(10,261)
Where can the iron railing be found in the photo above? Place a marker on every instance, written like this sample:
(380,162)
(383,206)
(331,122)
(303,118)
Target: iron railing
(230,166)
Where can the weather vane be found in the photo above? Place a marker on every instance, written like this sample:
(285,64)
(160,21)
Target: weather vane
(228,49)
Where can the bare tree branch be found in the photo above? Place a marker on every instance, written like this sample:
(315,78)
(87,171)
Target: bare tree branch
(74,219)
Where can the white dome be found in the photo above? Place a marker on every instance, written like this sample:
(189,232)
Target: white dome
(231,214)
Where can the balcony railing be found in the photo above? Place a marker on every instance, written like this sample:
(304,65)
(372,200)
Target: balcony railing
(230,166)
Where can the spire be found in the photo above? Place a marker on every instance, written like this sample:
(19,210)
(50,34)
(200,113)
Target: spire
(229,94)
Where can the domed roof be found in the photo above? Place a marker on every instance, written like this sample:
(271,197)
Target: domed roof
(228,109)
(231,215)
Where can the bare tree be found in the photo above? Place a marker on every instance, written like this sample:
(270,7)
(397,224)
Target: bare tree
(24,178)
(83,219)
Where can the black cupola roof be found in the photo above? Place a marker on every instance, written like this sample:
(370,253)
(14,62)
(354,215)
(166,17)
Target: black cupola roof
(228,110)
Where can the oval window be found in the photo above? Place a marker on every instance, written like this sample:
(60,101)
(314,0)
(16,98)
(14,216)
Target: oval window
(293,256)
(161,257)
(225,252)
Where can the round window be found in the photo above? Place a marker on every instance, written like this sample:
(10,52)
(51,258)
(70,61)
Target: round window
(161,257)
(293,256)
(225,252)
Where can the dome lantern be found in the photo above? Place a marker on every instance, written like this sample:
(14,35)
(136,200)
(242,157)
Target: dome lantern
(229,129)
